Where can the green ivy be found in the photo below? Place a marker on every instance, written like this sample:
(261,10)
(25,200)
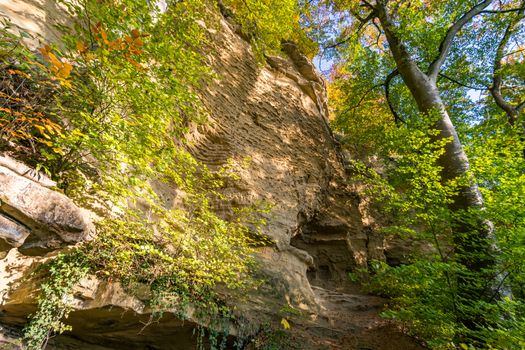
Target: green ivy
(54,302)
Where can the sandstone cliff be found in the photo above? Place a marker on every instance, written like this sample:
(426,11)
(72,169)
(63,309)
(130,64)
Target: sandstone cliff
(276,115)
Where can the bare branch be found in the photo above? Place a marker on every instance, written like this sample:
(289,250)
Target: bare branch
(446,44)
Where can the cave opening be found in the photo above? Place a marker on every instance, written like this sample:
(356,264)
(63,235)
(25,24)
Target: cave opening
(327,244)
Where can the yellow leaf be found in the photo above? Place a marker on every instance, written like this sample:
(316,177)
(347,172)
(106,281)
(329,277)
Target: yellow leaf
(138,42)
(285,323)
(16,71)
(65,70)
(44,50)
(49,129)
(115,45)
(81,46)
(135,63)
(77,132)
(90,56)
(53,59)
(41,129)
(104,36)
(463,346)
(45,142)
(58,150)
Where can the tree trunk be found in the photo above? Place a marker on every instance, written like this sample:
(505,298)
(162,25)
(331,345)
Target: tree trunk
(474,242)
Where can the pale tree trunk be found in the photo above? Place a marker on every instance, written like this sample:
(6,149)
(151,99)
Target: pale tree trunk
(473,238)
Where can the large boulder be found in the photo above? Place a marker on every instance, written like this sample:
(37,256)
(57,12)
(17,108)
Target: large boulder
(36,219)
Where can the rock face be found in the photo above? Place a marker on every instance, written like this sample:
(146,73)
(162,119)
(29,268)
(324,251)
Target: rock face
(34,218)
(276,115)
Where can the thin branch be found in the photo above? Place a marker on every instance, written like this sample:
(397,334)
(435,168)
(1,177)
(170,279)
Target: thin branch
(377,28)
(362,21)
(502,11)
(361,99)
(497,80)
(519,108)
(446,44)
(514,52)
(386,85)
(480,88)
(367,4)
(339,43)
(513,87)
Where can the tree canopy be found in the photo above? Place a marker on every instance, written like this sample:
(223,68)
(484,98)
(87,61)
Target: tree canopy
(436,90)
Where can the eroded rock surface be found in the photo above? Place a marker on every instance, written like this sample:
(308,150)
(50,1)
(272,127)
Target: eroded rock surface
(277,116)
(34,218)
(12,234)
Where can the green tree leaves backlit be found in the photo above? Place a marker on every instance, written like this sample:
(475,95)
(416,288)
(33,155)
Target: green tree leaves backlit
(267,23)
(407,77)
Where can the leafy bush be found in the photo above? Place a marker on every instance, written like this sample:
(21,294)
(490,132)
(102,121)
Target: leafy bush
(427,292)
